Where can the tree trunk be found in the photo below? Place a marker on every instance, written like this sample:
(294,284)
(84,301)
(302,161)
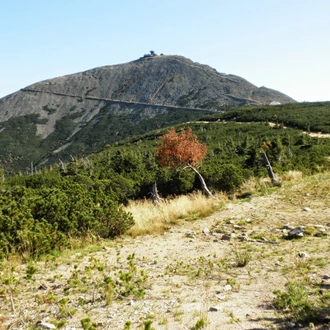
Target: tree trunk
(269,168)
(201,179)
(154,194)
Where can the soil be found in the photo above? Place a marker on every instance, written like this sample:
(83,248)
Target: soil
(221,270)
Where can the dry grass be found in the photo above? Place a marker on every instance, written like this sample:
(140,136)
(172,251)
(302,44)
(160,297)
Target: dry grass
(150,218)
(291,176)
(261,185)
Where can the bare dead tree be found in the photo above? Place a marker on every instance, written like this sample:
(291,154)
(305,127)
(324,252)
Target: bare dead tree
(269,168)
(154,194)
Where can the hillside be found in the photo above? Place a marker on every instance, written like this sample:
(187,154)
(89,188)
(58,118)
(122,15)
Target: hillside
(245,270)
(80,113)
(220,272)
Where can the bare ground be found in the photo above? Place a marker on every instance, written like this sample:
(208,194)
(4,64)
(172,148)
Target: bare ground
(220,271)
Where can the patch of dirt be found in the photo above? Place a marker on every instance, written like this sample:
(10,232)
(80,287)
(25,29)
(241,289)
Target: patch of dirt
(222,269)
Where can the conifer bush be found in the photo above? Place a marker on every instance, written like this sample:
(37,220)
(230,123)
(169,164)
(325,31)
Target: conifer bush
(35,222)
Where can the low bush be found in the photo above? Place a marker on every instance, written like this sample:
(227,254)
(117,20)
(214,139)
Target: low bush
(34,222)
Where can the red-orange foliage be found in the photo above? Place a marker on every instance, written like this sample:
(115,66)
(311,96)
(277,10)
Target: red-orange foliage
(180,149)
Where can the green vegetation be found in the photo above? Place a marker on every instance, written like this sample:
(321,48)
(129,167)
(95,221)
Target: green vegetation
(20,145)
(303,301)
(48,109)
(200,324)
(314,117)
(40,212)
(87,324)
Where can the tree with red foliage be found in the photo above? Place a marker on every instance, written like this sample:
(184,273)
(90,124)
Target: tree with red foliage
(182,150)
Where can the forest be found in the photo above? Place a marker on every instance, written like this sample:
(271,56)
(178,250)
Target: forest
(41,211)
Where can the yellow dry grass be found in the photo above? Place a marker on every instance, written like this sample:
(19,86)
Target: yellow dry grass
(292,176)
(150,218)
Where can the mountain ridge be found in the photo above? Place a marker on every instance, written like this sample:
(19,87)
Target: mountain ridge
(142,92)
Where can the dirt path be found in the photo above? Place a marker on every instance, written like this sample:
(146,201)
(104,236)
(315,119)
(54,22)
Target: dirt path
(221,270)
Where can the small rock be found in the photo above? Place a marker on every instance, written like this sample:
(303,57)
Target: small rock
(319,226)
(190,233)
(45,325)
(296,232)
(290,325)
(226,237)
(237,227)
(303,255)
(221,297)
(243,237)
(228,287)
(206,231)
(326,276)
(307,209)
(214,309)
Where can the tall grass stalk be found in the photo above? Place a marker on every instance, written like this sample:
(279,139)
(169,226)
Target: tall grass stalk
(150,218)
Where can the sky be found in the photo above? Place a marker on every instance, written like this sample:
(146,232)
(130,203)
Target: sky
(279,44)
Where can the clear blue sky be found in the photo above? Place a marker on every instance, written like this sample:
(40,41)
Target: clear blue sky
(280,44)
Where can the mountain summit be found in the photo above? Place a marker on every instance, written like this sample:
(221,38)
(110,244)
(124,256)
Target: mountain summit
(58,109)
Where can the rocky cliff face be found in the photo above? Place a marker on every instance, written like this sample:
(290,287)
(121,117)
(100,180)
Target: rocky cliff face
(144,88)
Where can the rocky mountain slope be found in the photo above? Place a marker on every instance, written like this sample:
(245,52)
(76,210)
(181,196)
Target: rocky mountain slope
(144,92)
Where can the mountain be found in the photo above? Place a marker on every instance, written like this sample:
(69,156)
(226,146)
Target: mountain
(81,113)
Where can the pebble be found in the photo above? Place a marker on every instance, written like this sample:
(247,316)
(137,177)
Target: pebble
(303,255)
(295,233)
(214,308)
(227,236)
(191,233)
(206,231)
(228,287)
(45,325)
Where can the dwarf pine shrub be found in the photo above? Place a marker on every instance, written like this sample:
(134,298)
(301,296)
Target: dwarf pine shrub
(35,222)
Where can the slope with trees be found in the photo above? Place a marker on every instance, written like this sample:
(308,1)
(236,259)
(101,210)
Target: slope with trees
(83,196)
